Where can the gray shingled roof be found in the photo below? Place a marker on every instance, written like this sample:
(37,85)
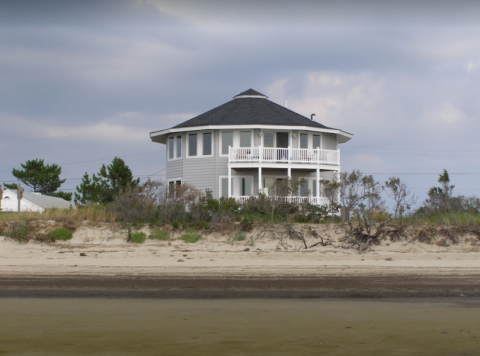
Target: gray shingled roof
(46,201)
(250,111)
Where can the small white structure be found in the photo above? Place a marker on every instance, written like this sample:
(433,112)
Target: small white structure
(35,202)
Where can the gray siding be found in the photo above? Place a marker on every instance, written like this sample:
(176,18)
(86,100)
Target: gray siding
(200,172)
(330,141)
(174,169)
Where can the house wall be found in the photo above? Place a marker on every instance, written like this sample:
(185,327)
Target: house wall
(330,141)
(10,203)
(204,172)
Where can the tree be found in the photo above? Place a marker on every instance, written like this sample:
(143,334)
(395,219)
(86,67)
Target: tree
(331,191)
(44,179)
(109,182)
(64,195)
(41,178)
(440,198)
(88,191)
(398,191)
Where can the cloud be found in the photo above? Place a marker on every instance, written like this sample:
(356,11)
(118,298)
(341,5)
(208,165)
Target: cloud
(446,113)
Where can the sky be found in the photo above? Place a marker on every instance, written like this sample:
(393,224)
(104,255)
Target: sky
(84,81)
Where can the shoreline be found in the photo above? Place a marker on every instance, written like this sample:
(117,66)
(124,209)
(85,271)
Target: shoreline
(98,262)
(464,287)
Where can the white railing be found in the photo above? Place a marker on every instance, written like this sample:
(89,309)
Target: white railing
(284,155)
(291,199)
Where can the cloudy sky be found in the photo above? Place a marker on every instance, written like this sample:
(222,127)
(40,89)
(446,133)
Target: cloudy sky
(84,81)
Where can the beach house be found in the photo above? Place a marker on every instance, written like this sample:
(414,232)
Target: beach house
(242,147)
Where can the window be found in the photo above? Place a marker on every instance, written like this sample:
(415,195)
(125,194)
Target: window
(316,141)
(179,146)
(246,187)
(304,188)
(207,144)
(192,144)
(268,139)
(224,187)
(173,187)
(245,139)
(227,140)
(170,148)
(303,141)
(314,190)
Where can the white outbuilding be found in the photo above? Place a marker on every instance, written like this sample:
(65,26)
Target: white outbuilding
(34,202)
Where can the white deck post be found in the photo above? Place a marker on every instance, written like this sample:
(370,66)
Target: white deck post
(260,180)
(229,181)
(289,153)
(318,186)
(289,173)
(260,153)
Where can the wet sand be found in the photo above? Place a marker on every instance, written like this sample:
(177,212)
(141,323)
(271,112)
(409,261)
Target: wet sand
(161,287)
(237,327)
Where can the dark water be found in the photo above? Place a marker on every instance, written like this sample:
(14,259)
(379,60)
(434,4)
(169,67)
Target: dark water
(236,327)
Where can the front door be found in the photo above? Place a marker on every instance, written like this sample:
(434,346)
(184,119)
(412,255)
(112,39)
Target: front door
(282,139)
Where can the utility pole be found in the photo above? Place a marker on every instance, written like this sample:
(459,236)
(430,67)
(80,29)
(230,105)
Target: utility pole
(19,195)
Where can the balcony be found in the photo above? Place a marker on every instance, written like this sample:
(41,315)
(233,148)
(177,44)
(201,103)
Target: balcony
(284,155)
(291,199)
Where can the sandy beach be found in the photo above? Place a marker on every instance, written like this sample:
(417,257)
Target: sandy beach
(99,259)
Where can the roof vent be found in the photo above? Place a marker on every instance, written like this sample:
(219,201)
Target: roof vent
(311,116)
(250,93)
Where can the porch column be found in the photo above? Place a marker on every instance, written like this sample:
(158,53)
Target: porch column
(289,173)
(260,180)
(229,181)
(318,186)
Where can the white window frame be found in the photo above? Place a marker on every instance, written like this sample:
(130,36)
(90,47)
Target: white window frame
(174,180)
(274,137)
(199,144)
(175,158)
(252,193)
(220,186)
(220,140)
(310,139)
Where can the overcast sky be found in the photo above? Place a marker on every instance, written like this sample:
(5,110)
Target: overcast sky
(82,82)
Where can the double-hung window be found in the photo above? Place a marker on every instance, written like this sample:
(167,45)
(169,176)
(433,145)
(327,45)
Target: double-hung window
(179,146)
(303,140)
(245,138)
(227,140)
(207,144)
(192,145)
(316,141)
(171,148)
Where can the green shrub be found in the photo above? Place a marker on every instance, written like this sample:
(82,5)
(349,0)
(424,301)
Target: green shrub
(138,237)
(246,222)
(190,236)
(175,224)
(239,236)
(158,234)
(61,234)
(21,232)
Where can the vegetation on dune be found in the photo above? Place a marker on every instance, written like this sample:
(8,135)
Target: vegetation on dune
(137,237)
(61,234)
(158,234)
(190,236)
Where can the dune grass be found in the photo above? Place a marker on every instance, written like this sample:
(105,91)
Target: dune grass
(158,234)
(190,236)
(94,213)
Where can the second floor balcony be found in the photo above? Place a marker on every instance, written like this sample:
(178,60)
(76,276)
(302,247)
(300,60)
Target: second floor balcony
(284,155)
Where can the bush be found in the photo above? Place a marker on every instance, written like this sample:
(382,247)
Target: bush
(138,237)
(191,237)
(61,234)
(158,234)
(247,222)
(239,236)
(21,232)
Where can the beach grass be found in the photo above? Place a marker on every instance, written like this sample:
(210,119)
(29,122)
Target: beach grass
(158,234)
(138,237)
(190,236)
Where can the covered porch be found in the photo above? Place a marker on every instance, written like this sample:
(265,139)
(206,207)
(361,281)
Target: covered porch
(242,183)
